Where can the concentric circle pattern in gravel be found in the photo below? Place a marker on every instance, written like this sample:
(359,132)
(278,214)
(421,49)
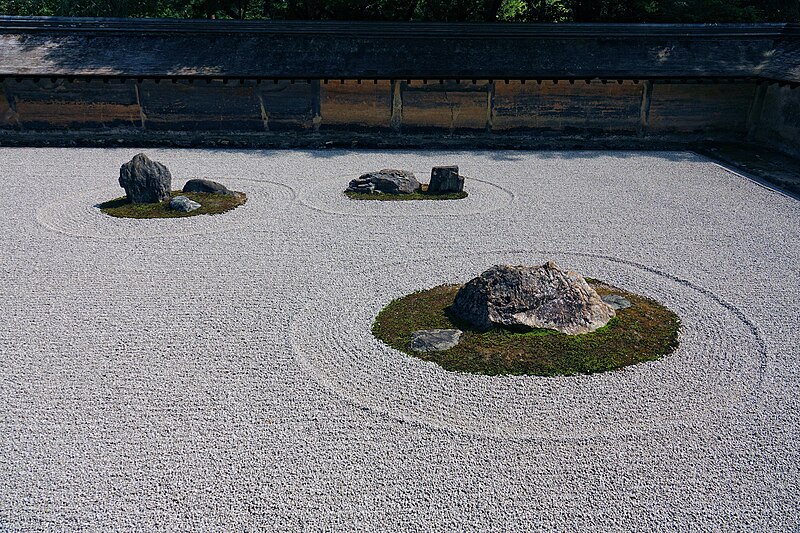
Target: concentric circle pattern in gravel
(218,373)
(717,365)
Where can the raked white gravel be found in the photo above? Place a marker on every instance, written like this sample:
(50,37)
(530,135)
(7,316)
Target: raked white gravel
(218,373)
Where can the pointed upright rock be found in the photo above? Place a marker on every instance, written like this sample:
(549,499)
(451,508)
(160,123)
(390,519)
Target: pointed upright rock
(145,181)
(445,180)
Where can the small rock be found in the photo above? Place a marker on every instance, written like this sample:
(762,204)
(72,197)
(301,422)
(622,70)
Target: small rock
(434,340)
(145,181)
(616,301)
(387,181)
(206,186)
(361,186)
(182,203)
(445,180)
(531,297)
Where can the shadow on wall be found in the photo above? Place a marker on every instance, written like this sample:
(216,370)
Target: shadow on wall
(500,155)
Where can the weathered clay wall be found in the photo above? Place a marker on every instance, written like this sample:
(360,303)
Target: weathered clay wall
(95,81)
(778,119)
(494,108)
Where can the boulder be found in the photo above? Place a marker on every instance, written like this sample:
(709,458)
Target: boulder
(364,186)
(434,340)
(182,203)
(207,186)
(387,181)
(445,180)
(525,297)
(616,301)
(145,181)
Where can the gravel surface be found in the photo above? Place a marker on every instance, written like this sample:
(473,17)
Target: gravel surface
(218,372)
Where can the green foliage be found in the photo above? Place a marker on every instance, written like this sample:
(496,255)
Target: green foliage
(535,11)
(424,10)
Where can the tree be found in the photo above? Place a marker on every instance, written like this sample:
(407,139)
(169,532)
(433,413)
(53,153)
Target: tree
(432,10)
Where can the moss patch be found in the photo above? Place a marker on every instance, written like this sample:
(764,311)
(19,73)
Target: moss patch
(643,332)
(211,204)
(422,195)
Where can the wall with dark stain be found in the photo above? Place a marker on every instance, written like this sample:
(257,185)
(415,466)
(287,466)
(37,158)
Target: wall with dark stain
(595,107)
(778,122)
(62,105)
(448,107)
(494,108)
(347,104)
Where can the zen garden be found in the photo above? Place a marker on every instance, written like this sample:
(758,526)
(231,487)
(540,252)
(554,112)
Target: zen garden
(431,267)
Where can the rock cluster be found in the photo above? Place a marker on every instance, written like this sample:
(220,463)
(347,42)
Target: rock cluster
(145,181)
(445,180)
(148,182)
(386,181)
(531,297)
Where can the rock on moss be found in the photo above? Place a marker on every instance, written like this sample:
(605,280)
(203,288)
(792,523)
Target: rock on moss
(532,297)
(387,181)
(145,181)
(182,203)
(434,340)
(207,186)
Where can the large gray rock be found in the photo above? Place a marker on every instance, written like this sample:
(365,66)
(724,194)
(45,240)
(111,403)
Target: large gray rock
(145,181)
(445,180)
(531,297)
(434,340)
(182,203)
(387,181)
(206,186)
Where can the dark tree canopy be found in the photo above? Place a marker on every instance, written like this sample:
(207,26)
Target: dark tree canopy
(424,10)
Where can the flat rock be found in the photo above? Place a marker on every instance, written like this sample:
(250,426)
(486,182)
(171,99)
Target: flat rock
(386,181)
(145,181)
(434,340)
(524,297)
(616,301)
(445,180)
(362,186)
(182,203)
(207,186)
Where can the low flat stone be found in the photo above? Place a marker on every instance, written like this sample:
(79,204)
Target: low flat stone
(361,186)
(434,340)
(445,180)
(386,181)
(206,186)
(182,203)
(616,301)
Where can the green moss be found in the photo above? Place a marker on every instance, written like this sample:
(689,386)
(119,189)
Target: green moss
(211,204)
(400,197)
(643,332)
